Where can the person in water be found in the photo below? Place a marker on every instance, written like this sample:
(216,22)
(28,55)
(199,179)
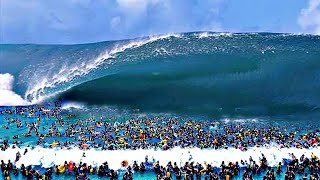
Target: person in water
(188,171)
(165,133)
(174,133)
(18,156)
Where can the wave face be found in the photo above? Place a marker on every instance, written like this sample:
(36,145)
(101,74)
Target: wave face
(211,73)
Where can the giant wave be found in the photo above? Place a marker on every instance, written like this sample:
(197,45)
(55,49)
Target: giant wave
(203,72)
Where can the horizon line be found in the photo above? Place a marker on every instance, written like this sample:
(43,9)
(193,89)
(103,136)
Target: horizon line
(162,34)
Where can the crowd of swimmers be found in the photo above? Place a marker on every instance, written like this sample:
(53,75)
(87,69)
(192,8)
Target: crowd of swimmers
(229,170)
(154,132)
(307,167)
(149,132)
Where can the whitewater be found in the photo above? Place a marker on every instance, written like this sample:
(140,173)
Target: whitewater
(46,158)
(7,96)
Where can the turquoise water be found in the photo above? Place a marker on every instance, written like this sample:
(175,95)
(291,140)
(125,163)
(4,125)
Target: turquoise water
(7,134)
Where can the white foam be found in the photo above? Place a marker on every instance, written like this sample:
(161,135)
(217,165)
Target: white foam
(36,90)
(48,157)
(7,96)
(243,120)
(70,105)
(204,35)
(211,34)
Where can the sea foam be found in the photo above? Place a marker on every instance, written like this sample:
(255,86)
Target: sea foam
(7,96)
(49,157)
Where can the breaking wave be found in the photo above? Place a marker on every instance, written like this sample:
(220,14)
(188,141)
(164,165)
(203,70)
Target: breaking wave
(202,72)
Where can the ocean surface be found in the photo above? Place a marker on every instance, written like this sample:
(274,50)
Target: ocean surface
(262,78)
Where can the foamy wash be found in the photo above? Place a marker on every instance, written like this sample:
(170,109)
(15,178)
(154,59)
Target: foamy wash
(48,157)
(274,77)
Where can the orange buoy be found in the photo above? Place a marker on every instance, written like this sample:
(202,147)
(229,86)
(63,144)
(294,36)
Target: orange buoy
(124,163)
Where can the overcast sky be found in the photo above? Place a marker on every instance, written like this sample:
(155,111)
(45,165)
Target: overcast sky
(82,21)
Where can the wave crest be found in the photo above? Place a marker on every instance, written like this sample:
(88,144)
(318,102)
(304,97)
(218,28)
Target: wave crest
(36,92)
